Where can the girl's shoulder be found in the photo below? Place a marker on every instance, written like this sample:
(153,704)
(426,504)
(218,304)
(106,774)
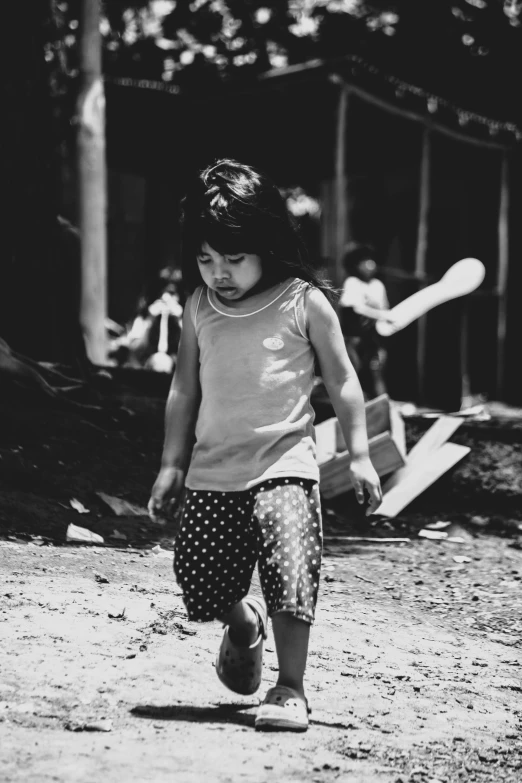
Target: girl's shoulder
(194,302)
(315,306)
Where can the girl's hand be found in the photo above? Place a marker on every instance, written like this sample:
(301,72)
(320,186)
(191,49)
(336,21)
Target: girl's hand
(364,477)
(167,487)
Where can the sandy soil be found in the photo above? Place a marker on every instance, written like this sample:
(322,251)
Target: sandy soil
(414,670)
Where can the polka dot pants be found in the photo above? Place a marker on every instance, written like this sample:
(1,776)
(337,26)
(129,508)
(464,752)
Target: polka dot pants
(223,534)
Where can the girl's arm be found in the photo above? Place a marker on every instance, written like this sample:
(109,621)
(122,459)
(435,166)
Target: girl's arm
(180,417)
(344,390)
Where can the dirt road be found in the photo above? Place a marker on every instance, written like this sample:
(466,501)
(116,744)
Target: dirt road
(414,671)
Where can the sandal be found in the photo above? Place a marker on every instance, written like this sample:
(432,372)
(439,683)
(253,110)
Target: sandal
(283,709)
(240,668)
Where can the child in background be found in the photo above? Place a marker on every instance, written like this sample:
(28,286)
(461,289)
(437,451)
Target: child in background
(363,302)
(239,433)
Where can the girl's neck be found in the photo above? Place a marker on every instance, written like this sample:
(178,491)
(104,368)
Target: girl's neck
(263,286)
(260,287)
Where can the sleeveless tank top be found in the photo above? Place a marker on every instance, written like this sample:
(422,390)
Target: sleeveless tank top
(255,420)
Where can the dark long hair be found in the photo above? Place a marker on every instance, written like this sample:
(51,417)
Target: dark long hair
(236,209)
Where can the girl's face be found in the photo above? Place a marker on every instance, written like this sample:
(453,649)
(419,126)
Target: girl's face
(230,276)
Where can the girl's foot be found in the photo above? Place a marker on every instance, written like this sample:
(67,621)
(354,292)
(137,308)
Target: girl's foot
(240,666)
(283,709)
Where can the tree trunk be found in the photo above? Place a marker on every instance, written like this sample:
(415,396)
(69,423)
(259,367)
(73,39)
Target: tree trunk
(92,184)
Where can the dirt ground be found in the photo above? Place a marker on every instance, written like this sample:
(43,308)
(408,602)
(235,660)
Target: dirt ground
(414,671)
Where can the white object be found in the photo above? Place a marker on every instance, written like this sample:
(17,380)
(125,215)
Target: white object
(82,535)
(160,552)
(433,535)
(168,305)
(120,536)
(122,507)
(326,440)
(160,362)
(428,444)
(460,279)
(79,507)
(432,468)
(398,428)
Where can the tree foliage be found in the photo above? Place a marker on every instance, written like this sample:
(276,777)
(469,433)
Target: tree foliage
(468,51)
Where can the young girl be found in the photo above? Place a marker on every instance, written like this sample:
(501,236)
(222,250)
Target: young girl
(239,431)
(363,302)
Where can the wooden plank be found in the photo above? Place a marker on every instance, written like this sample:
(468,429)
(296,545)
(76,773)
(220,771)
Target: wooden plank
(421,252)
(341,539)
(398,428)
(377,415)
(433,439)
(385,457)
(425,473)
(341,183)
(465,385)
(326,440)
(378,419)
(502,273)
(436,436)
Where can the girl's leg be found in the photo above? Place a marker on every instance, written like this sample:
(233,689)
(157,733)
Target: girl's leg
(291,638)
(289,514)
(243,624)
(215,555)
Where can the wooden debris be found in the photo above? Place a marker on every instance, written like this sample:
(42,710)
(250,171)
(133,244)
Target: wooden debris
(433,535)
(368,539)
(384,455)
(326,440)
(123,508)
(78,506)
(398,428)
(378,415)
(432,440)
(408,474)
(378,419)
(420,477)
(81,535)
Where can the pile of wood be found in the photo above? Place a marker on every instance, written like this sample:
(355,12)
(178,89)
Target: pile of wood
(406,475)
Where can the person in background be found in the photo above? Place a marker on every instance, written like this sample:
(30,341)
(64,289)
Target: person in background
(239,435)
(363,302)
(152,339)
(167,314)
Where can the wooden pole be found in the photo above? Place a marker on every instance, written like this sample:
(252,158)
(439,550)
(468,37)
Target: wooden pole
(341,184)
(502,272)
(92,184)
(318,65)
(421,253)
(465,386)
